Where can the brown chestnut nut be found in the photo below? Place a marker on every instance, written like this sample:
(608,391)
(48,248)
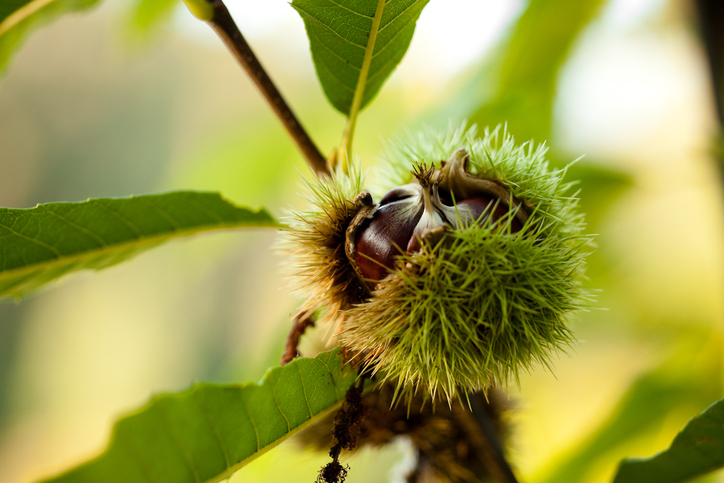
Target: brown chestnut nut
(406,214)
(386,235)
(481,208)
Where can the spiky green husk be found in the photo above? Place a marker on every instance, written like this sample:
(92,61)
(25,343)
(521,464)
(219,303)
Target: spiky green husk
(316,242)
(484,304)
(478,308)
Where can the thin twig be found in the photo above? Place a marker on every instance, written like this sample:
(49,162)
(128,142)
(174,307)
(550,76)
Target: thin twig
(504,472)
(300,323)
(711,16)
(226,28)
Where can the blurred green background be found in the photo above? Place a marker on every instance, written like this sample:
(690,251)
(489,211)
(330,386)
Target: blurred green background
(138,97)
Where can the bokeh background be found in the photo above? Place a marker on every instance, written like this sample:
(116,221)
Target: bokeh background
(139,97)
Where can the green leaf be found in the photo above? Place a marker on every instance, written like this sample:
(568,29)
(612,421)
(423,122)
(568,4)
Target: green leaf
(339,32)
(40,244)
(18,17)
(684,380)
(523,86)
(210,431)
(698,449)
(646,403)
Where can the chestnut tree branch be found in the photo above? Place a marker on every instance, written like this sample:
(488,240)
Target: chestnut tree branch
(226,28)
(711,16)
(501,468)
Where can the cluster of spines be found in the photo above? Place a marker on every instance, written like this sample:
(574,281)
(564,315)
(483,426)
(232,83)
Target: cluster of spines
(485,304)
(318,267)
(480,306)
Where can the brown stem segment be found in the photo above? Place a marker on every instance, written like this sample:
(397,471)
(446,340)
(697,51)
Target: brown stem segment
(500,467)
(300,323)
(711,16)
(226,28)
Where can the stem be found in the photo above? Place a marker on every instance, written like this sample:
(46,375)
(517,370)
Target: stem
(346,146)
(226,28)
(300,323)
(502,469)
(711,15)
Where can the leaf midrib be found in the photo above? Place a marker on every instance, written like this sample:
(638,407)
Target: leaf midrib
(392,40)
(361,87)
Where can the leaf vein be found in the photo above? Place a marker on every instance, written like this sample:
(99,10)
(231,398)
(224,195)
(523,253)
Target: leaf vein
(333,53)
(336,388)
(327,27)
(143,463)
(348,9)
(165,215)
(304,390)
(381,70)
(123,219)
(37,242)
(333,76)
(413,4)
(279,408)
(76,226)
(253,424)
(214,429)
(210,213)
(391,42)
(179,444)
